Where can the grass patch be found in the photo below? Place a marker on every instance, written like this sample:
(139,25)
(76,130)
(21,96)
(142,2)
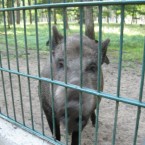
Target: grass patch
(132,47)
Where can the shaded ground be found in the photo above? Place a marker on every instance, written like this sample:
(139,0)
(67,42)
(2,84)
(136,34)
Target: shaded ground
(130,86)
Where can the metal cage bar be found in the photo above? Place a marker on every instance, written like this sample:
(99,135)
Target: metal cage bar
(119,74)
(90,91)
(8,61)
(65,71)
(140,98)
(76,4)
(17,63)
(98,74)
(81,72)
(4,88)
(51,73)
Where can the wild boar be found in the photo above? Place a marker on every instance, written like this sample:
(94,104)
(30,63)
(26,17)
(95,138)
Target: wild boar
(89,73)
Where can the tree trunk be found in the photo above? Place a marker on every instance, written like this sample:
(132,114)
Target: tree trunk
(54,17)
(30,13)
(116,16)
(108,14)
(89,22)
(18,12)
(66,17)
(132,19)
(108,19)
(9,14)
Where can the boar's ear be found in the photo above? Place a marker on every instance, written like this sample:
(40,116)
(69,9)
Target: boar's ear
(56,38)
(104,51)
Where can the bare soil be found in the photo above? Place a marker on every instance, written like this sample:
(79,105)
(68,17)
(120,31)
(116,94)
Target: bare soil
(19,98)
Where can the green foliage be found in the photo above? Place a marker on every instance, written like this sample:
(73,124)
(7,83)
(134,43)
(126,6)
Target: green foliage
(31,37)
(133,41)
(132,47)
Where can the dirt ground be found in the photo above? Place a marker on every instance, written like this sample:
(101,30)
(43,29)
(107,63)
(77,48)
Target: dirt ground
(130,86)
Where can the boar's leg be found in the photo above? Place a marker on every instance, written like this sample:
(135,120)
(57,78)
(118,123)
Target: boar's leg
(75,137)
(49,119)
(93,118)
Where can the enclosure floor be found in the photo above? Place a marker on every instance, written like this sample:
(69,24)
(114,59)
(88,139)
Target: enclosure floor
(130,84)
(10,134)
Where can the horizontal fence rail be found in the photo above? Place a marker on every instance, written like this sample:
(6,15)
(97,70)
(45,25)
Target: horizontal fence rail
(90,91)
(74,4)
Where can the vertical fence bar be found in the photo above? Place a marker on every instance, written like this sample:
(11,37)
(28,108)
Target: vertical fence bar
(65,69)
(121,50)
(99,74)
(3,84)
(140,97)
(38,53)
(17,61)
(81,73)
(38,62)
(119,74)
(37,39)
(37,48)
(27,60)
(38,65)
(51,72)
(41,110)
(99,49)
(8,61)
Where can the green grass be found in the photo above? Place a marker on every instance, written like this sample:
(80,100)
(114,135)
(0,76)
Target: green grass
(31,37)
(132,48)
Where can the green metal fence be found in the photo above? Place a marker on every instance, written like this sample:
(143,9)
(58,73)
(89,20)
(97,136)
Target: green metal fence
(21,66)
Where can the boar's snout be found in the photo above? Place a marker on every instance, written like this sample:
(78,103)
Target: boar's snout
(72,96)
(72,117)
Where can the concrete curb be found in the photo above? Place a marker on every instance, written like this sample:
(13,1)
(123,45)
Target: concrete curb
(13,135)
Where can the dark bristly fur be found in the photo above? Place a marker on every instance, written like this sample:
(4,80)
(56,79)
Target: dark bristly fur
(89,73)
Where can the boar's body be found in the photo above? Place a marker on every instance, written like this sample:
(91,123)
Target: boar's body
(89,73)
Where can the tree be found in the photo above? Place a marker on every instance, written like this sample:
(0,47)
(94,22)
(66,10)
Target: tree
(131,10)
(117,11)
(60,11)
(107,13)
(89,22)
(54,16)
(9,13)
(135,11)
(66,17)
(30,12)
(18,12)
(141,9)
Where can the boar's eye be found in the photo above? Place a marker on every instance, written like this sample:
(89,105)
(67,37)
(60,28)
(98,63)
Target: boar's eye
(60,64)
(92,68)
